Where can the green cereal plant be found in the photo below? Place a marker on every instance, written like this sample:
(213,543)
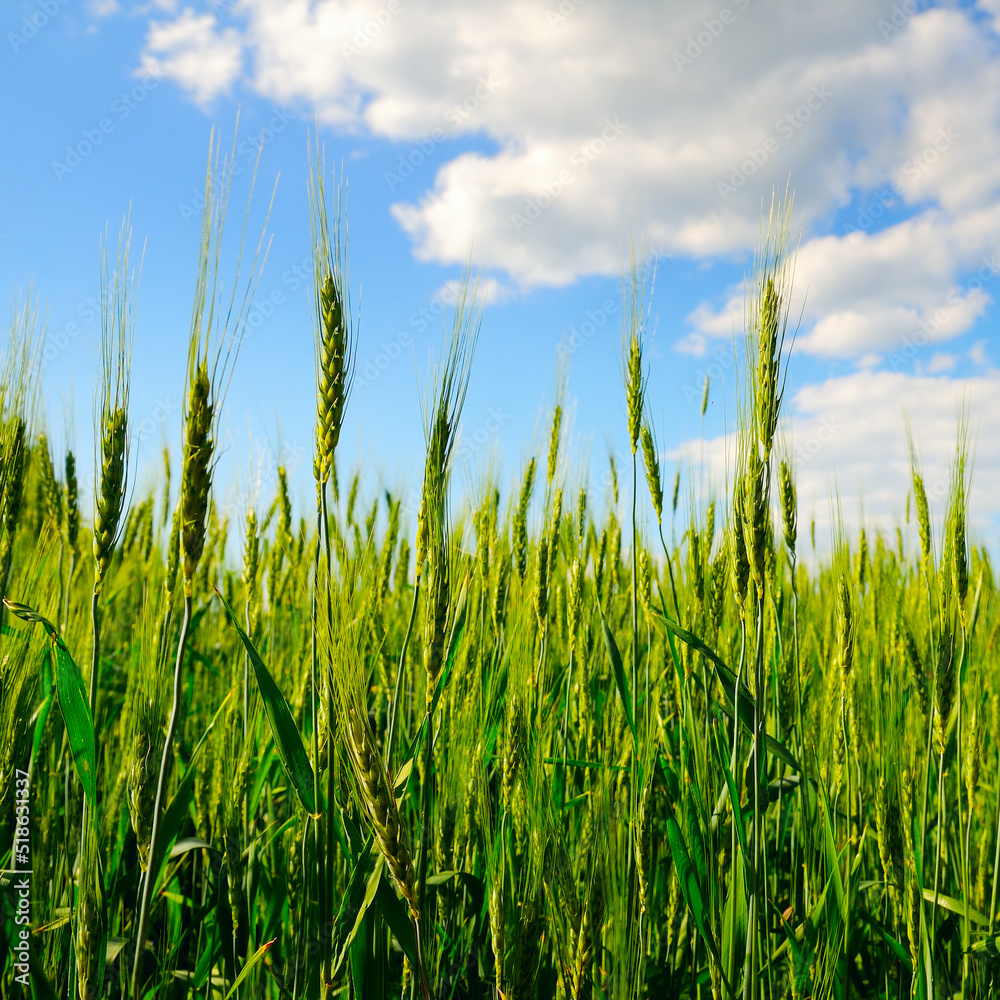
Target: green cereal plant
(217,325)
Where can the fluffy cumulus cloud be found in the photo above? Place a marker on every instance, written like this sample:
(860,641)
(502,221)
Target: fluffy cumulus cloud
(846,440)
(670,122)
(191,49)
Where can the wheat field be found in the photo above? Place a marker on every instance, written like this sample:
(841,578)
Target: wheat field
(523,748)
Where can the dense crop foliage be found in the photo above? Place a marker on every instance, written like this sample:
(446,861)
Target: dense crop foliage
(526,752)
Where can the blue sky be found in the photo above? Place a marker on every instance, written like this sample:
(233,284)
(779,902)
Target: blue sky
(539,140)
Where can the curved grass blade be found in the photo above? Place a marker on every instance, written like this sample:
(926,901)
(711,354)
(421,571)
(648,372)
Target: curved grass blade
(287,740)
(690,888)
(620,679)
(728,681)
(901,954)
(734,799)
(358,898)
(251,964)
(987,948)
(72,702)
(41,716)
(954,905)
(398,919)
(177,811)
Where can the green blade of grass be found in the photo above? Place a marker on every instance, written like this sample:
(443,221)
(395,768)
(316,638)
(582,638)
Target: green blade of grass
(615,657)
(397,918)
(728,681)
(987,948)
(72,703)
(177,811)
(690,888)
(287,739)
(359,896)
(251,964)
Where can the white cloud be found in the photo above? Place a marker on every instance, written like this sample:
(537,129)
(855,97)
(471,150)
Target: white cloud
(848,434)
(192,51)
(664,123)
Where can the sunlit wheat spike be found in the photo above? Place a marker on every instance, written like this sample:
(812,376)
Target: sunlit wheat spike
(72,521)
(944,685)
(789,512)
(520,528)
(335,337)
(634,320)
(50,492)
(196,470)
(651,458)
(956,541)
(91,919)
(446,396)
(218,322)
(768,303)
(554,431)
(634,388)
(118,286)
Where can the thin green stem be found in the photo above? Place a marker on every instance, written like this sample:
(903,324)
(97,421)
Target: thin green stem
(161,784)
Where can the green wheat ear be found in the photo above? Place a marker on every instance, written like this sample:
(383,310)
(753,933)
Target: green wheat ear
(335,334)
(117,334)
